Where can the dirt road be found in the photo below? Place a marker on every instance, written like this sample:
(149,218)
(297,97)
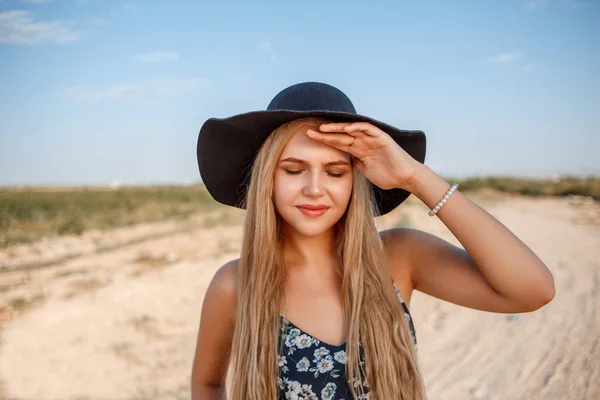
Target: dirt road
(114,315)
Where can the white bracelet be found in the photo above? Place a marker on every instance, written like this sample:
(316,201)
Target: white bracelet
(444,200)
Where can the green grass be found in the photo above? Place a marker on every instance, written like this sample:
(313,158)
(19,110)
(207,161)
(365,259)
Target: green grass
(586,186)
(22,303)
(29,214)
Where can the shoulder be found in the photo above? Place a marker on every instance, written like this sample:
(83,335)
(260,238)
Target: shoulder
(398,243)
(401,247)
(395,236)
(407,242)
(217,323)
(226,278)
(223,288)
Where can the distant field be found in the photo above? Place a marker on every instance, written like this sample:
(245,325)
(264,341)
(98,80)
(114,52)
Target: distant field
(589,186)
(28,214)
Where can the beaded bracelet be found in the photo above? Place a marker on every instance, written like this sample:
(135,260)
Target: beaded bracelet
(444,200)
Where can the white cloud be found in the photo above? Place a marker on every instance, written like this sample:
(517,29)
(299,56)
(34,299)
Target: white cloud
(172,87)
(235,74)
(572,3)
(156,57)
(99,21)
(265,45)
(116,92)
(124,8)
(18,27)
(515,58)
(163,87)
(505,58)
(533,67)
(536,4)
(130,7)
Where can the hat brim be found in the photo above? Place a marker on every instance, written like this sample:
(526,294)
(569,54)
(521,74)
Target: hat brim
(227,147)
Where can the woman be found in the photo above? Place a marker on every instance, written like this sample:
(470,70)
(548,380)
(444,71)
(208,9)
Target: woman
(317,305)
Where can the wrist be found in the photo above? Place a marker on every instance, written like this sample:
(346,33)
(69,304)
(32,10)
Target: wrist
(419,179)
(427,185)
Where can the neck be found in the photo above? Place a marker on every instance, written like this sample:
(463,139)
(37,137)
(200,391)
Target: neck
(309,252)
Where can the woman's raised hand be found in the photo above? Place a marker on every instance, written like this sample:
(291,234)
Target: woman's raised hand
(376,154)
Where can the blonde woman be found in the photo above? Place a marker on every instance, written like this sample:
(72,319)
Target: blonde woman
(317,305)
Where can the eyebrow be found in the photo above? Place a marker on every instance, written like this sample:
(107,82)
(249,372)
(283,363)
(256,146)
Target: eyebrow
(303,162)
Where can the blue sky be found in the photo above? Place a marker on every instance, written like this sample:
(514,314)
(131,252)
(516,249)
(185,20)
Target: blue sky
(94,92)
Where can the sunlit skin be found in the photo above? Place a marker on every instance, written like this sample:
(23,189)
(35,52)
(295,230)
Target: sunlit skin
(313,173)
(494,271)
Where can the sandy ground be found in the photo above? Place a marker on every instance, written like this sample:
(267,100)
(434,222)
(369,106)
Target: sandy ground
(114,315)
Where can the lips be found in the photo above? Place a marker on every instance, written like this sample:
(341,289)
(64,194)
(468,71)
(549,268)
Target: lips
(314,206)
(313,210)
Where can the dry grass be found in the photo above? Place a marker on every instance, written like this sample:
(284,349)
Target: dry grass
(20,304)
(123,350)
(81,286)
(148,326)
(31,213)
(64,274)
(146,261)
(560,186)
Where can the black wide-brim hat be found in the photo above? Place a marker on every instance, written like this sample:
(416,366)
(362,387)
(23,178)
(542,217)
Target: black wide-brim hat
(227,147)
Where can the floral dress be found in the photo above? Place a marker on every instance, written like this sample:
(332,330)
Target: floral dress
(310,369)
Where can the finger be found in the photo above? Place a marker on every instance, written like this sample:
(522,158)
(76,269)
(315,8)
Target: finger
(342,127)
(340,141)
(356,129)
(365,127)
(355,133)
(334,126)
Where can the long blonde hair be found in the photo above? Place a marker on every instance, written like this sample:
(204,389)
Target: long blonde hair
(376,319)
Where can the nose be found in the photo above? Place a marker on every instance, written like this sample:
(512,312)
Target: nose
(313,185)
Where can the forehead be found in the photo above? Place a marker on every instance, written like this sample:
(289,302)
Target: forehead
(301,146)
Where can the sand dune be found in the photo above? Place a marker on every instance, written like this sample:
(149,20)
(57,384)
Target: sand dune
(114,315)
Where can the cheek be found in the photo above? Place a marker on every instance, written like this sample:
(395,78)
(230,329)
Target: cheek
(282,189)
(286,190)
(342,191)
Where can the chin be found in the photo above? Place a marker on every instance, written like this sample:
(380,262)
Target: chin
(310,231)
(310,228)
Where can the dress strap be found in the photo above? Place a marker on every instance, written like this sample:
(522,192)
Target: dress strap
(398,293)
(407,316)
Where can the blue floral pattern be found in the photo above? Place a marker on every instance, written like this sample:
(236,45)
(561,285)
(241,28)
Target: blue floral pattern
(310,369)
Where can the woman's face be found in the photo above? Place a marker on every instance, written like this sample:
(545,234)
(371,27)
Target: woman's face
(312,184)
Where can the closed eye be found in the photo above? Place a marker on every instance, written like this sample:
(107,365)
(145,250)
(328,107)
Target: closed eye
(290,172)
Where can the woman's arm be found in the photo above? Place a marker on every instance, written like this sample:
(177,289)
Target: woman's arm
(205,392)
(495,272)
(213,346)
